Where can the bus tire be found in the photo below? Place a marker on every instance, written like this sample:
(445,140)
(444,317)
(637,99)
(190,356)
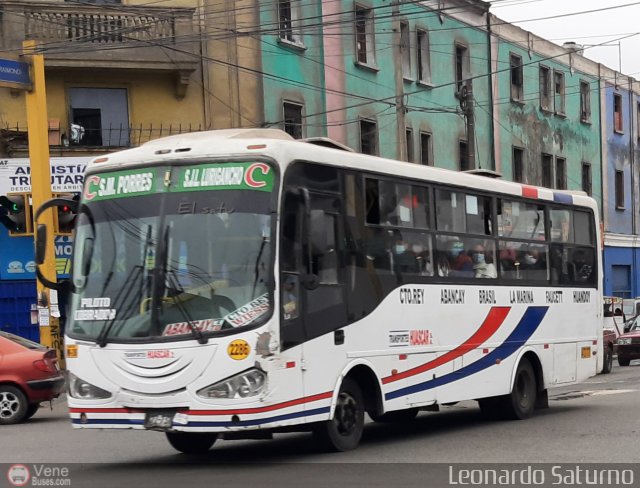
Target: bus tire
(191,442)
(608,360)
(344,431)
(396,417)
(520,403)
(623,361)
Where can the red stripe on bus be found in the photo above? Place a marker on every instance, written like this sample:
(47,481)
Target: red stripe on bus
(529,191)
(290,403)
(268,408)
(491,323)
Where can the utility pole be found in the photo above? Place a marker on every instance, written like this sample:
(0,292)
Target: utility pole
(467,102)
(38,130)
(401,151)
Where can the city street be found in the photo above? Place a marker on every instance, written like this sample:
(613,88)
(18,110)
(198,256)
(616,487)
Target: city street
(592,422)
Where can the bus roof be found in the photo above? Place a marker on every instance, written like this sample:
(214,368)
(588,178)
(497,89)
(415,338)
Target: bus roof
(280,146)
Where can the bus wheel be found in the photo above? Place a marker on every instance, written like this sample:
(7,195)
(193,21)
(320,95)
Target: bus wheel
(519,404)
(396,417)
(344,431)
(191,442)
(608,360)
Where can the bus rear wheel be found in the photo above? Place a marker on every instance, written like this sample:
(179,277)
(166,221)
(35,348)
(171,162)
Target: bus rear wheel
(520,403)
(191,442)
(344,431)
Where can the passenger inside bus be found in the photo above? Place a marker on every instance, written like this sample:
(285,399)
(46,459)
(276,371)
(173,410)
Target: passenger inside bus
(460,261)
(483,266)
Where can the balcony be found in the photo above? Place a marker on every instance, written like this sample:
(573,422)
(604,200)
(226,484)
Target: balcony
(104,36)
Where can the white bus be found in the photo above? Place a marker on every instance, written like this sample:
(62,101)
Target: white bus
(238,283)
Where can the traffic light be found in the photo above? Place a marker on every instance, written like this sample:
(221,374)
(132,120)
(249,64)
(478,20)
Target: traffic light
(66,215)
(15,213)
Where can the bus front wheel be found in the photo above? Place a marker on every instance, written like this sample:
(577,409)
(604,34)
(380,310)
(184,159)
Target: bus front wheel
(191,442)
(344,431)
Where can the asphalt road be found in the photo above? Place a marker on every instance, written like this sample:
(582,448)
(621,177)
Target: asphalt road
(594,422)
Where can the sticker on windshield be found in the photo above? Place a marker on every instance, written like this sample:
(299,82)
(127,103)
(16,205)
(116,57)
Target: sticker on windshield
(226,176)
(249,312)
(95,309)
(132,183)
(238,318)
(205,325)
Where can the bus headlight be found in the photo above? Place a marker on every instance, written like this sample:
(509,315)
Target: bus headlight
(80,389)
(250,383)
(624,341)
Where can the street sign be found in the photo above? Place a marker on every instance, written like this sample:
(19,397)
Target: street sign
(14,73)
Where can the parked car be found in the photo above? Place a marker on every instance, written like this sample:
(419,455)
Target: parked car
(29,374)
(629,344)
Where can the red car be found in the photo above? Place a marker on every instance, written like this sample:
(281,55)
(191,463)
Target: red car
(29,374)
(629,344)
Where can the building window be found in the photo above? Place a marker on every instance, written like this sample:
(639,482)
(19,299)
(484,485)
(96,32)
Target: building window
(424,61)
(364,35)
(426,151)
(585,102)
(586,178)
(558,91)
(545,88)
(621,280)
(518,165)
(288,16)
(405,49)
(462,65)
(620,189)
(368,137)
(547,171)
(517,82)
(561,173)
(99,117)
(409,141)
(293,119)
(463,148)
(617,112)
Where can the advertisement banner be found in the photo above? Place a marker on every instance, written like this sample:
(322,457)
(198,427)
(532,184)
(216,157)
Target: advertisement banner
(67,175)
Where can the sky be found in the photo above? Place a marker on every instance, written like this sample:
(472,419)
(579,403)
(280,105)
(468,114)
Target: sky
(604,26)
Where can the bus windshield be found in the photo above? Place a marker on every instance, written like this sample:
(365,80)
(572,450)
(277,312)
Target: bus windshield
(170,263)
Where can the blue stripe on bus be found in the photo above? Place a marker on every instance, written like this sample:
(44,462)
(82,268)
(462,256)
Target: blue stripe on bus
(562,198)
(525,329)
(264,420)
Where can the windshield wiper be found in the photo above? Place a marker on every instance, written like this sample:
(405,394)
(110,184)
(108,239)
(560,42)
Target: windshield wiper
(125,292)
(175,284)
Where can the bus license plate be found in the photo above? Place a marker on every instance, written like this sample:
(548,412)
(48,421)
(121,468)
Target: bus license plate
(159,420)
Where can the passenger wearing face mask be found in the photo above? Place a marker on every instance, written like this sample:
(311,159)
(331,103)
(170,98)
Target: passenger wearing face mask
(404,258)
(530,259)
(461,263)
(481,268)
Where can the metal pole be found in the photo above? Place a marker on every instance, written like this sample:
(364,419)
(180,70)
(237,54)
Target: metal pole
(38,130)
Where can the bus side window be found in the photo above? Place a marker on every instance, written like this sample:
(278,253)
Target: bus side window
(291,240)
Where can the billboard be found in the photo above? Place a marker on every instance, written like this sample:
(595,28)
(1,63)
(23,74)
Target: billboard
(67,175)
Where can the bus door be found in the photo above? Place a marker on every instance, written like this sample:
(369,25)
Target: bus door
(324,309)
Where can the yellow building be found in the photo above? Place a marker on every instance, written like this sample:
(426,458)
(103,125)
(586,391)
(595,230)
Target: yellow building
(119,74)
